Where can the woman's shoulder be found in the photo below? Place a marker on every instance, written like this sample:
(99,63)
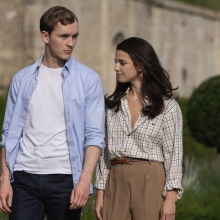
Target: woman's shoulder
(171,105)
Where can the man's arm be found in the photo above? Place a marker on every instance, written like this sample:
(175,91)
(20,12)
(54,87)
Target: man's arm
(94,134)
(80,193)
(6,192)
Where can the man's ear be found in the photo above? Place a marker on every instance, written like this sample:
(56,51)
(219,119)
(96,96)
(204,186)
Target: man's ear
(45,37)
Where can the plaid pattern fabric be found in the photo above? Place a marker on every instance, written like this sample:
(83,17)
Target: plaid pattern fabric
(158,139)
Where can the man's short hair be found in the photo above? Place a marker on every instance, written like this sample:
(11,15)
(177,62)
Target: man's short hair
(54,15)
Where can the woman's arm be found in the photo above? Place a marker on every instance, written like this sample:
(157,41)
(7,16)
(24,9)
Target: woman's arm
(172,148)
(168,209)
(99,204)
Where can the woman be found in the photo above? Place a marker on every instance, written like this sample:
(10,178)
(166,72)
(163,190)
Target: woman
(139,174)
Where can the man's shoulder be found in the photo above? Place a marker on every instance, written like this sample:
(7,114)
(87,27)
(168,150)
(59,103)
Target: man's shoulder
(81,69)
(28,69)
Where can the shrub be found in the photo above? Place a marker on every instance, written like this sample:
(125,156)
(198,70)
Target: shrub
(203,113)
(191,147)
(201,198)
(2,110)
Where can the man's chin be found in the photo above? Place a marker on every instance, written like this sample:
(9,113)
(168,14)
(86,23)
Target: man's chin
(65,58)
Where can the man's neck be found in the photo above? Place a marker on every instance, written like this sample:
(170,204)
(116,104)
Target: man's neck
(53,63)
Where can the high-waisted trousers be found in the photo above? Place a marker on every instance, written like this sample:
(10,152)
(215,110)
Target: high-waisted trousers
(134,191)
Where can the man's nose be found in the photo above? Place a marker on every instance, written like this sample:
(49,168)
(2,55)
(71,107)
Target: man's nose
(70,41)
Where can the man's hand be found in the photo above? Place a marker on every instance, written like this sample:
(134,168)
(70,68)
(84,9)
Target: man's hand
(6,194)
(80,194)
(6,191)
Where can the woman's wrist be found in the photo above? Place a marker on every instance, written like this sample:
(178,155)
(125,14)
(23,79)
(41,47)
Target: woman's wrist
(171,195)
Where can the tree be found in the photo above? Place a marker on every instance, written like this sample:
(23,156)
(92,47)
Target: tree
(203,113)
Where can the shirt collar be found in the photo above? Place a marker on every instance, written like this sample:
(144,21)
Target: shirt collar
(36,66)
(126,93)
(67,65)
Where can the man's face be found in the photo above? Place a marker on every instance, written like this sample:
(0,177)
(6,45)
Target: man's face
(61,42)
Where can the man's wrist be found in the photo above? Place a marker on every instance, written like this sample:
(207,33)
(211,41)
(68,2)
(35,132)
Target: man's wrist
(4,177)
(85,178)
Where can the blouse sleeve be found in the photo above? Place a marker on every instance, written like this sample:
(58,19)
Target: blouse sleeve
(173,148)
(102,170)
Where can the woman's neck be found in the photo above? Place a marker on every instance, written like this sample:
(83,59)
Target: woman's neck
(135,92)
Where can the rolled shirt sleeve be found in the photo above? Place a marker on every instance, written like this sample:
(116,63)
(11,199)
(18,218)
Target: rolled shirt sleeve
(94,113)
(12,96)
(172,148)
(102,170)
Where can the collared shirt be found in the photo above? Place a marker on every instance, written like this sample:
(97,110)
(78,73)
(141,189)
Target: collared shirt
(83,108)
(158,139)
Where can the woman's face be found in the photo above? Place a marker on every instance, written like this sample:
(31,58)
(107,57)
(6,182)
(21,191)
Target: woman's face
(125,69)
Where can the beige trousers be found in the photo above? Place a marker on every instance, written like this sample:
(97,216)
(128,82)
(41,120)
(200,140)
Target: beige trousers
(133,191)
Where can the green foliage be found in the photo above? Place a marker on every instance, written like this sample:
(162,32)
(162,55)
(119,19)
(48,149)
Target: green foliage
(2,109)
(203,112)
(87,212)
(201,199)
(3,216)
(191,147)
(213,4)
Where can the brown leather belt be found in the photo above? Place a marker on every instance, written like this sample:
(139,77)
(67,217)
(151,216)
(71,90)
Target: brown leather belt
(125,160)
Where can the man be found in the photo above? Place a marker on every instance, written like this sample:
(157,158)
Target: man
(53,130)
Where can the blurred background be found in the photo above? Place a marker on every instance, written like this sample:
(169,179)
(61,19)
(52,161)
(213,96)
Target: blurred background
(184,33)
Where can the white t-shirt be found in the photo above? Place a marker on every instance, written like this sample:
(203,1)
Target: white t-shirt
(43,146)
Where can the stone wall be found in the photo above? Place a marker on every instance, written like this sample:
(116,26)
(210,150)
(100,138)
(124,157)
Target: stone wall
(186,38)
(11,40)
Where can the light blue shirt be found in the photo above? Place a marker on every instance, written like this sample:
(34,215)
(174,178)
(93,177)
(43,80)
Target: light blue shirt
(83,106)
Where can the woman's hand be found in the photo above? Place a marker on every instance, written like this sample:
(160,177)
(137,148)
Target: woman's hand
(168,209)
(99,204)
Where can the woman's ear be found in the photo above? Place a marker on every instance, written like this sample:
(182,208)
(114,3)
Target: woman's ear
(45,37)
(139,70)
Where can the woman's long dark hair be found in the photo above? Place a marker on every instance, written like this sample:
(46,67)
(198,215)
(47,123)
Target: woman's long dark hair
(156,85)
